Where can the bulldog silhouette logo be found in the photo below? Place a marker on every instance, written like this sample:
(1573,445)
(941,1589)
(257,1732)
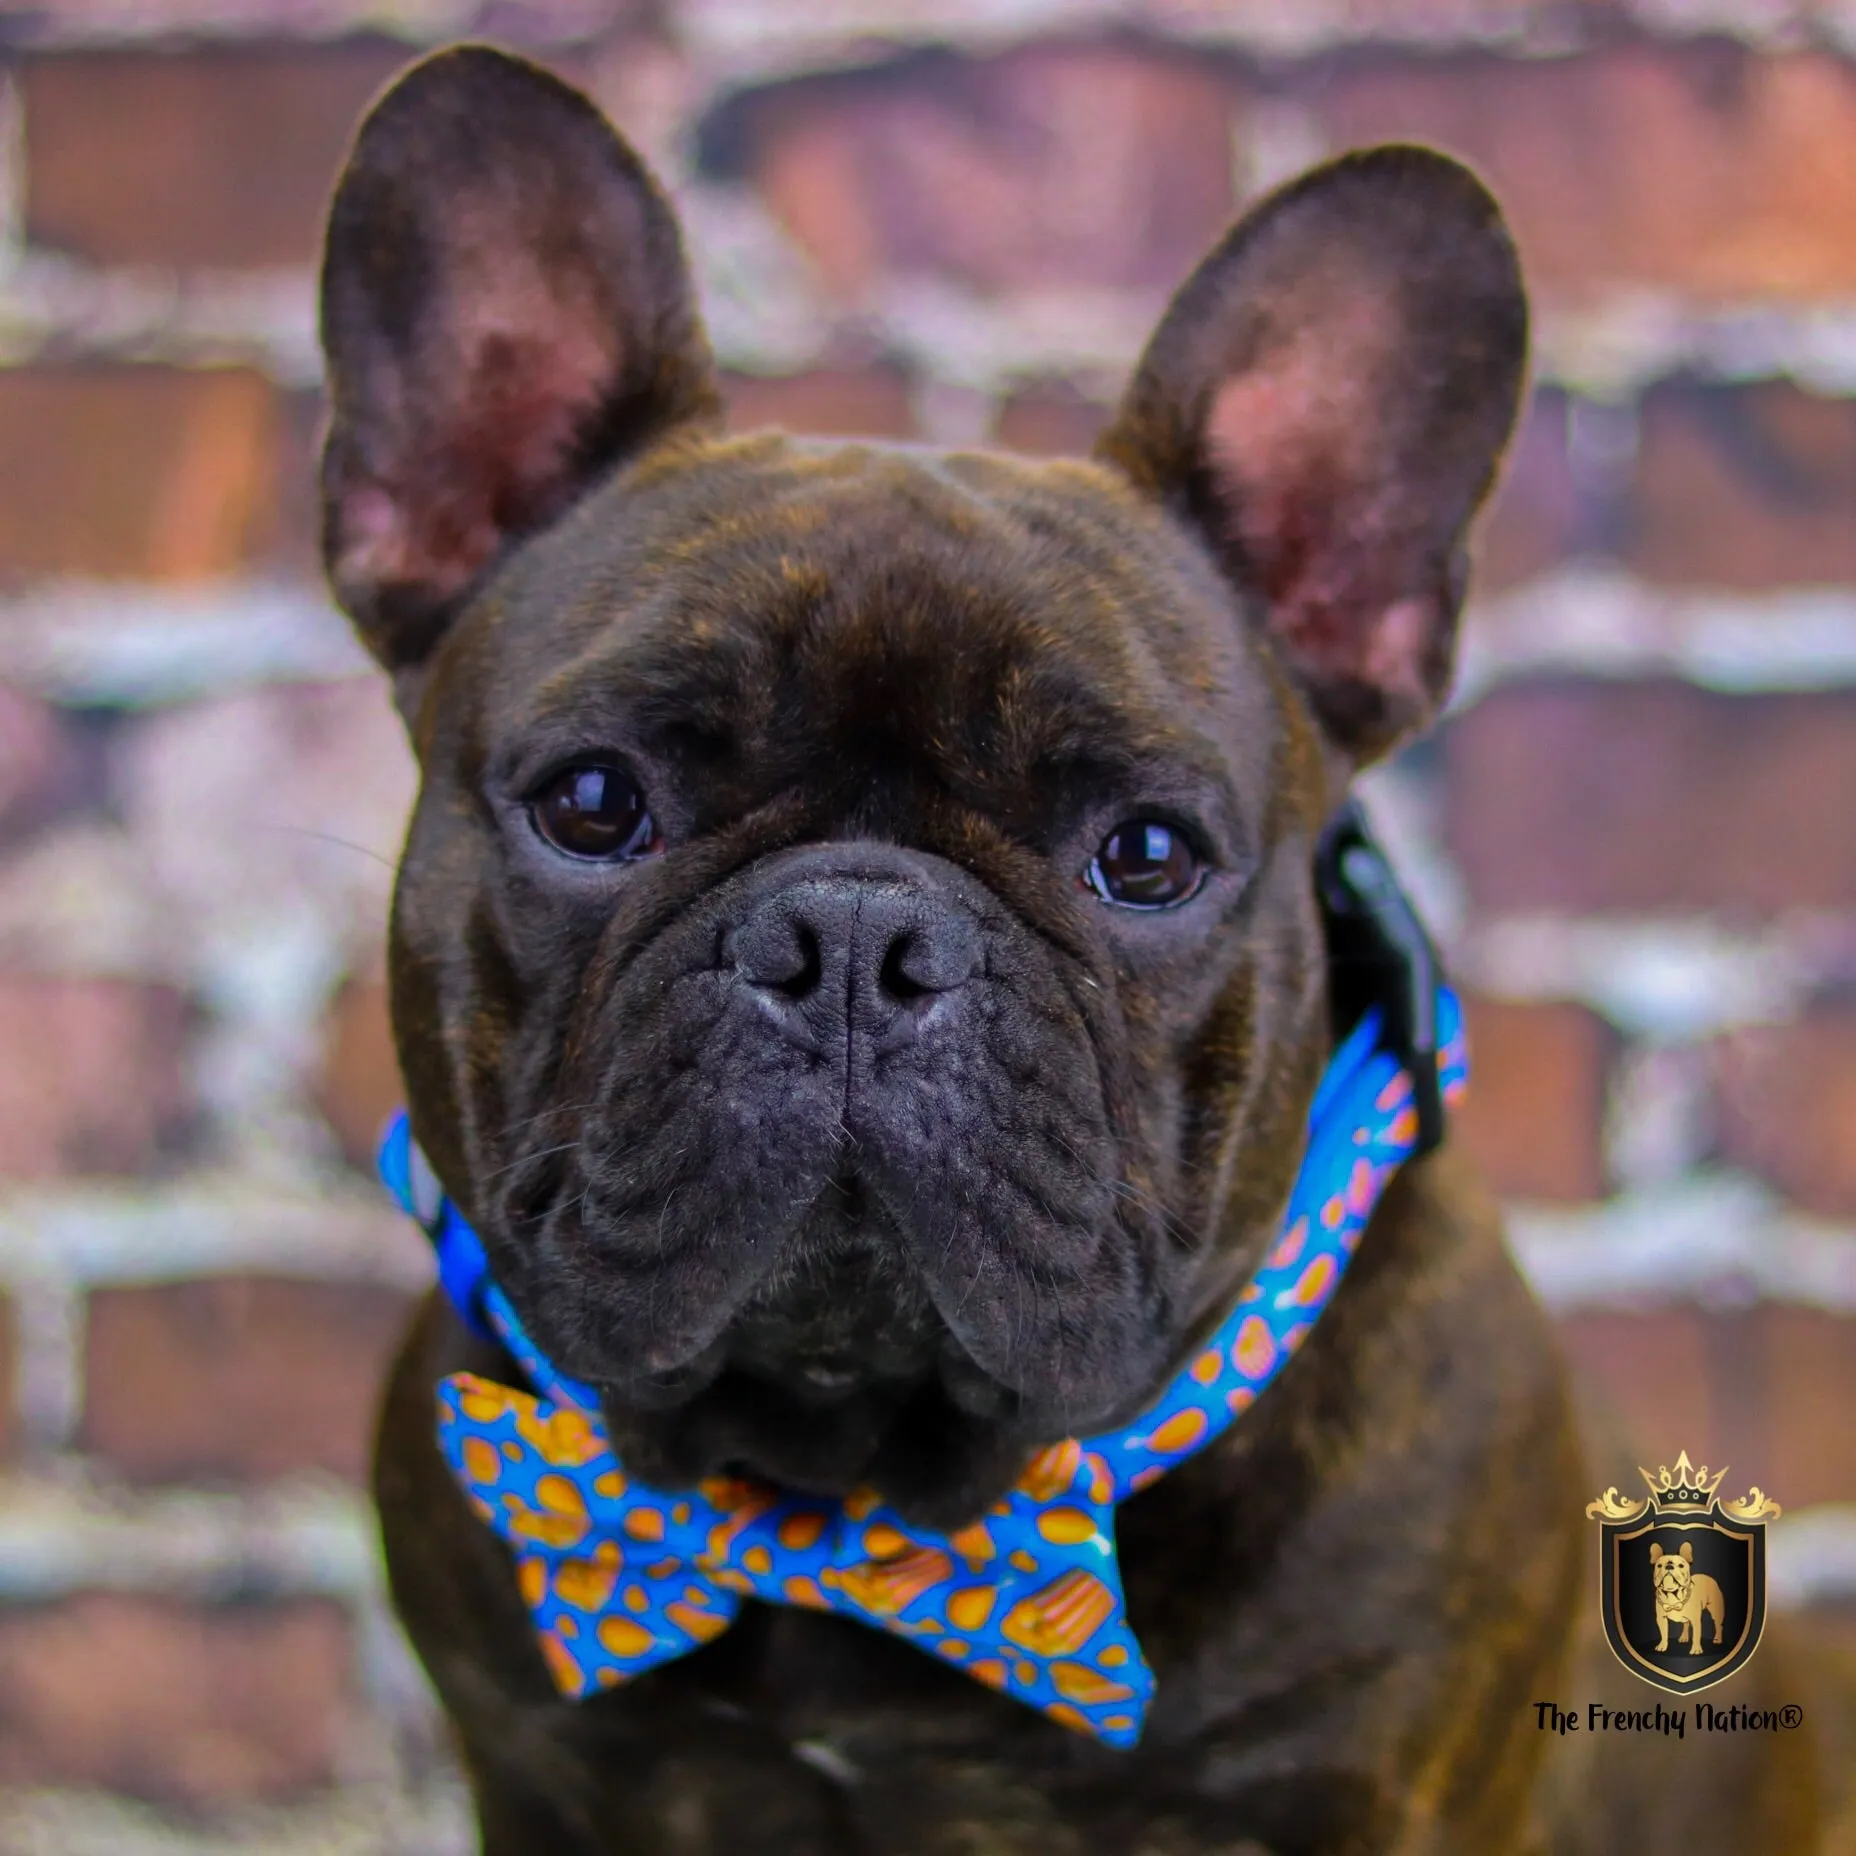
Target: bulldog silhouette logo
(1684,1597)
(1684,1577)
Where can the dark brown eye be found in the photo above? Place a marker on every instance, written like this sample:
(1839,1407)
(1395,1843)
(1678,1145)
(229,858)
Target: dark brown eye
(594,811)
(1144,864)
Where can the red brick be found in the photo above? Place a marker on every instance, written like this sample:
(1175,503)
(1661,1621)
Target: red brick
(359,1085)
(1564,491)
(1786,1108)
(236,1378)
(1809,1356)
(1050,420)
(153,473)
(41,770)
(1744,487)
(1534,1114)
(183,1704)
(1706,167)
(1652,1378)
(1547,507)
(1836,1624)
(1048,165)
(217,155)
(91,1075)
(826,402)
(291,538)
(1652,796)
(1764,1390)
(9,1379)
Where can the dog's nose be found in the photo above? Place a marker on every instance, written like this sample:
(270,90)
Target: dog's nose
(831,956)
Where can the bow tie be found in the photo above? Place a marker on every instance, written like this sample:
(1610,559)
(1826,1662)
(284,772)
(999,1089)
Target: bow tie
(619,1577)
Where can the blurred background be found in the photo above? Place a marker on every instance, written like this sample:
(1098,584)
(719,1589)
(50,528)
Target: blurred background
(1636,834)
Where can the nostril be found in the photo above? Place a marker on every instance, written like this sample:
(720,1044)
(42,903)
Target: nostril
(921,960)
(894,977)
(778,953)
(808,967)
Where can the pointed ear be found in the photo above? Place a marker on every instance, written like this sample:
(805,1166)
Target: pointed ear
(1656,1552)
(506,313)
(1327,399)
(1688,1550)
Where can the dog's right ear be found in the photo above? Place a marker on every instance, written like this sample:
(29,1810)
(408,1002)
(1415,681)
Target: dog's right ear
(1656,1553)
(506,314)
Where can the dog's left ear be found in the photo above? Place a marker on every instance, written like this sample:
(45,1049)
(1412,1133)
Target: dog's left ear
(1326,400)
(1688,1551)
(506,314)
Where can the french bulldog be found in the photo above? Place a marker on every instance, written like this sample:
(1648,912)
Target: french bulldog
(856,962)
(1684,1597)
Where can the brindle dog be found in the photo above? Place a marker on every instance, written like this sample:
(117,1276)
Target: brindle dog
(847,1088)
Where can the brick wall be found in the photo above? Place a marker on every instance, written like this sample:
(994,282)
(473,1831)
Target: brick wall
(950,223)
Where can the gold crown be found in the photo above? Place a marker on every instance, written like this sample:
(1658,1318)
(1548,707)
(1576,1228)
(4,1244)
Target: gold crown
(1683,1489)
(1685,1486)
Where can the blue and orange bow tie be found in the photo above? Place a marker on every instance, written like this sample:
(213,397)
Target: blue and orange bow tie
(619,1577)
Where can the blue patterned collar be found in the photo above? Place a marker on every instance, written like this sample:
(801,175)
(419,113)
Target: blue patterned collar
(619,1577)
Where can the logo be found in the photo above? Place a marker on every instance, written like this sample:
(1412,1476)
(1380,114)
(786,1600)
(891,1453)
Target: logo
(1684,1577)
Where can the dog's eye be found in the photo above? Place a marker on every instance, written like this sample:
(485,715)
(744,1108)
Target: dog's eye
(1144,864)
(594,811)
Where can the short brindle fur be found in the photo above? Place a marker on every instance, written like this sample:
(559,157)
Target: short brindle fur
(840,1131)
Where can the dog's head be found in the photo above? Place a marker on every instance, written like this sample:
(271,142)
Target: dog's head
(1672,1572)
(855,958)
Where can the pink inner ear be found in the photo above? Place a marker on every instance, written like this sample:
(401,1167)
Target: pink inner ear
(502,411)
(526,393)
(1306,471)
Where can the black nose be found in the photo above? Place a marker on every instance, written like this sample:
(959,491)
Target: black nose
(836,954)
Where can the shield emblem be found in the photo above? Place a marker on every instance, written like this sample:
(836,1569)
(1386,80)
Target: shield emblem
(1684,1577)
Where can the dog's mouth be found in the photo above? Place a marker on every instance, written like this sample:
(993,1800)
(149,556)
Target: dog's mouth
(935,1463)
(839,1309)
(843,1311)
(838,1371)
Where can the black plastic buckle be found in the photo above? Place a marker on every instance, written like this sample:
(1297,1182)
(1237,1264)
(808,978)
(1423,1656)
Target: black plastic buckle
(1379,954)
